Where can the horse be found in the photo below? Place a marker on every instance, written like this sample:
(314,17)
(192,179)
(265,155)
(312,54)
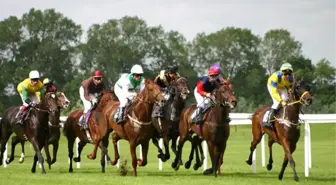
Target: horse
(54,130)
(137,128)
(166,127)
(215,130)
(34,128)
(286,129)
(97,130)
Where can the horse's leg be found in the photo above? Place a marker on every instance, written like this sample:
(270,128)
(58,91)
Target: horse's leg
(81,145)
(192,151)
(55,149)
(71,141)
(47,152)
(155,141)
(143,161)
(115,139)
(270,160)
(15,141)
(178,160)
(37,147)
(213,158)
(105,143)
(134,157)
(166,145)
(5,134)
(220,162)
(23,151)
(174,139)
(288,157)
(94,152)
(257,135)
(198,151)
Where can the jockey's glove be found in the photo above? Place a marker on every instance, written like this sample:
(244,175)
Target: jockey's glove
(208,95)
(94,100)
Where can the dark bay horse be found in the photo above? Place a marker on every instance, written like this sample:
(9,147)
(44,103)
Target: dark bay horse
(54,130)
(286,123)
(35,128)
(215,130)
(98,131)
(167,128)
(137,128)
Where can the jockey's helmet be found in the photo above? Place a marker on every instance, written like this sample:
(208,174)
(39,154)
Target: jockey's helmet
(137,69)
(46,81)
(34,74)
(216,67)
(172,69)
(212,71)
(97,74)
(285,67)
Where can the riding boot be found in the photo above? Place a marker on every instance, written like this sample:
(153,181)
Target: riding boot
(120,116)
(157,111)
(271,117)
(82,123)
(173,113)
(20,114)
(197,117)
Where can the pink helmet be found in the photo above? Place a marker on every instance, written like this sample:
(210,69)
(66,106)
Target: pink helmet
(97,74)
(212,71)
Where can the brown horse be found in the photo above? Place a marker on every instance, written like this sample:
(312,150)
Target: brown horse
(137,128)
(215,130)
(98,131)
(286,126)
(54,130)
(34,128)
(166,127)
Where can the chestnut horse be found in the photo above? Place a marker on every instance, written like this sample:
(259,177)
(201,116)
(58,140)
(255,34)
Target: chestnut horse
(166,127)
(286,124)
(98,131)
(137,128)
(54,130)
(34,128)
(215,130)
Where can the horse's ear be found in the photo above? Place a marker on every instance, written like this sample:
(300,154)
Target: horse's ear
(228,79)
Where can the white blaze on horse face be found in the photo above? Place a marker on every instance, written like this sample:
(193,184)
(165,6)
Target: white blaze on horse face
(53,96)
(67,101)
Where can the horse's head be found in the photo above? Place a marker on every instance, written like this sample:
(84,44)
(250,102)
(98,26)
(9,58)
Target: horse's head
(302,92)
(225,95)
(62,100)
(181,87)
(153,92)
(50,102)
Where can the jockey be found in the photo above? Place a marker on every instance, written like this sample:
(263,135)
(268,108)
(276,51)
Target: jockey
(126,88)
(88,92)
(164,80)
(278,85)
(49,85)
(202,93)
(27,90)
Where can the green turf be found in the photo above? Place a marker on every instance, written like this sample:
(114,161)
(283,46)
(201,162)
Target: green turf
(235,170)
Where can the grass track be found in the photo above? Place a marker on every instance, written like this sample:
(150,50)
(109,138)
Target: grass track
(235,170)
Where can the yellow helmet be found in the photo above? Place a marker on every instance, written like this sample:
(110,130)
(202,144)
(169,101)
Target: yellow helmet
(286,66)
(46,81)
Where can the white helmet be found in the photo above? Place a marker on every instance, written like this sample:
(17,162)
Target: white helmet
(34,74)
(136,69)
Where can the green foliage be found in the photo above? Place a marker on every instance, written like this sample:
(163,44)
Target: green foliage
(50,42)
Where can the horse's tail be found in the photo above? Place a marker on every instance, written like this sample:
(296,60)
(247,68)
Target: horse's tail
(67,126)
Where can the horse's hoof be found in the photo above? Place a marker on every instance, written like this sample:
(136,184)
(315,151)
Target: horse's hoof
(249,162)
(208,171)
(162,157)
(179,163)
(187,164)
(77,159)
(8,161)
(21,160)
(33,170)
(296,178)
(139,161)
(269,167)
(280,176)
(70,170)
(196,166)
(91,156)
(114,162)
(53,161)
(174,163)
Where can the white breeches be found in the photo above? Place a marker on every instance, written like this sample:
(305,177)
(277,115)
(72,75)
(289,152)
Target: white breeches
(122,97)
(33,98)
(201,101)
(283,94)
(87,104)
